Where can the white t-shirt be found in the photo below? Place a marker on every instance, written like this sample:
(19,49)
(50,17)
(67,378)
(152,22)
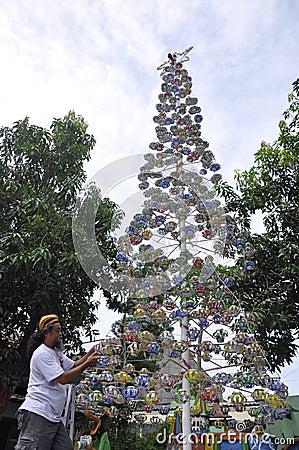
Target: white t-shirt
(45,396)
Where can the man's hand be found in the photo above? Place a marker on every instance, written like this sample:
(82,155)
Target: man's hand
(90,447)
(69,375)
(91,351)
(92,359)
(94,348)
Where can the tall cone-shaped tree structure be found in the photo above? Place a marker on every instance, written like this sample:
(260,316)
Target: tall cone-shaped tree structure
(166,262)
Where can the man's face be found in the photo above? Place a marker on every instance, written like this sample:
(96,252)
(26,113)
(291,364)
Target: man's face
(54,337)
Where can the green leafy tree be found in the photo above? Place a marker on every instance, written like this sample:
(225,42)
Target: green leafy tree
(41,173)
(270,187)
(125,436)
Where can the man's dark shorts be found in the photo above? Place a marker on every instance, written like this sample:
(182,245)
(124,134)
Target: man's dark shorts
(38,433)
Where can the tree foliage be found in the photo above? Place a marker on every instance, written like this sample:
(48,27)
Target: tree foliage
(271,187)
(41,173)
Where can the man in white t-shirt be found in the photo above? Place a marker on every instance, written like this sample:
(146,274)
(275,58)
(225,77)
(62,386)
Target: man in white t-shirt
(39,417)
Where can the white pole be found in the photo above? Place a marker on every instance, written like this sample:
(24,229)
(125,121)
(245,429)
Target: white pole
(72,420)
(186,428)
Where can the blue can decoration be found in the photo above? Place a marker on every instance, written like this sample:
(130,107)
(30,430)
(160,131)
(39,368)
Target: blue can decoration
(178,279)
(142,379)
(130,392)
(143,185)
(275,384)
(198,118)
(159,220)
(228,281)
(165,183)
(214,167)
(103,361)
(193,333)
(216,178)
(164,410)
(121,256)
(175,142)
(249,265)
(153,348)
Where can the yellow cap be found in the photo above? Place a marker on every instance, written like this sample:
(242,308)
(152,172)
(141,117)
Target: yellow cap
(45,321)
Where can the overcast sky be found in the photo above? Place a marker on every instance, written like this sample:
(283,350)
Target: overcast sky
(99,58)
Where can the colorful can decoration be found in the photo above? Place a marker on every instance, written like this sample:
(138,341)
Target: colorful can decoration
(95,396)
(166,380)
(181,396)
(208,394)
(164,410)
(111,391)
(152,398)
(130,392)
(153,348)
(192,375)
(123,377)
(140,418)
(142,379)
(237,398)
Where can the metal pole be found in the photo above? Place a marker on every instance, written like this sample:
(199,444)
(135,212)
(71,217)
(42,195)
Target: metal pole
(186,427)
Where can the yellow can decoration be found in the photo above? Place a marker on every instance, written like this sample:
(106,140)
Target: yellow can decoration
(255,347)
(120,399)
(228,346)
(133,349)
(237,398)
(129,367)
(123,377)
(218,424)
(259,361)
(258,429)
(179,346)
(273,400)
(259,395)
(146,336)
(196,408)
(95,396)
(139,312)
(152,398)
(158,314)
(253,412)
(140,418)
(147,234)
(192,375)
